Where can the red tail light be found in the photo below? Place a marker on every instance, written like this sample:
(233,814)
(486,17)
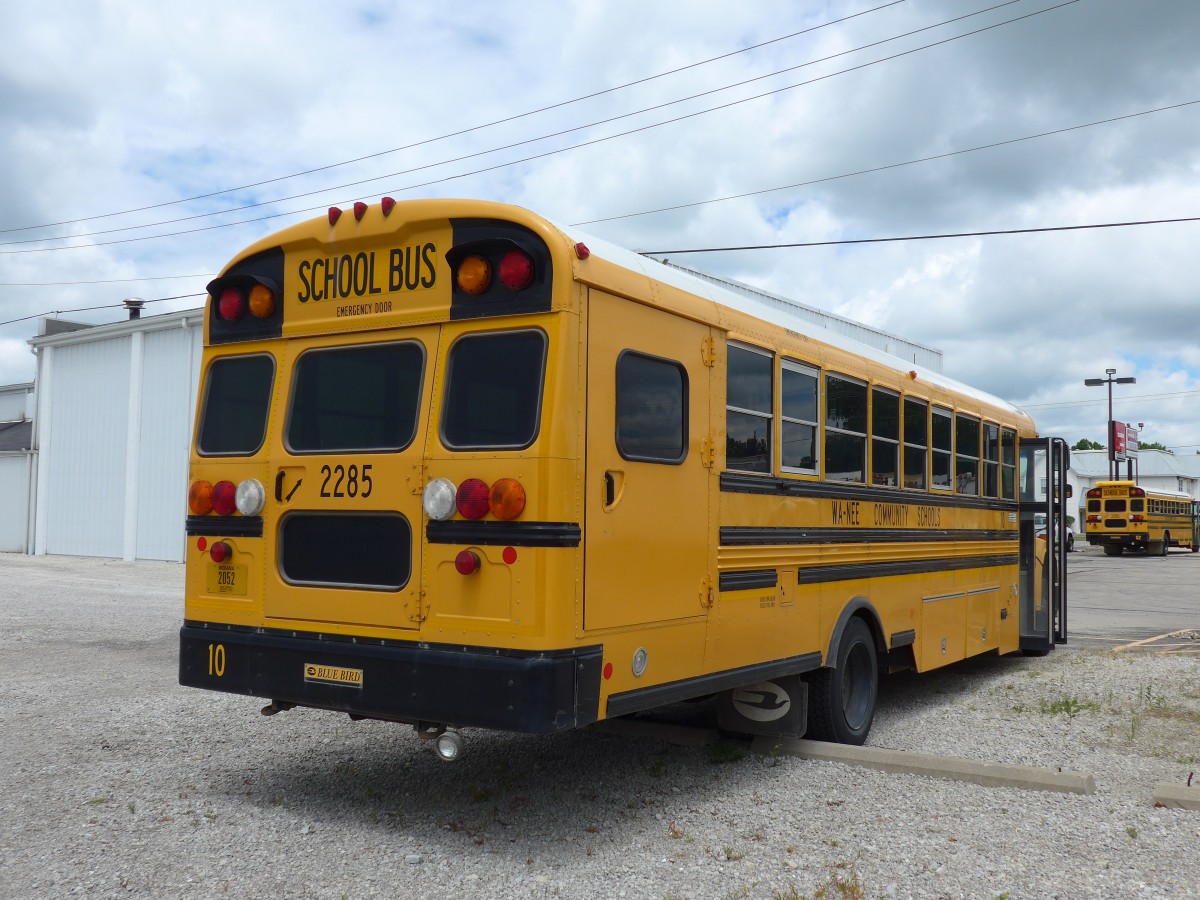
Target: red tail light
(467,562)
(472,499)
(1137,518)
(232,305)
(1095,492)
(516,270)
(1093,520)
(220,552)
(224,498)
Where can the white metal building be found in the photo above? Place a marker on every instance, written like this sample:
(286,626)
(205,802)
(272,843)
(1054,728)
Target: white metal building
(112,430)
(16,466)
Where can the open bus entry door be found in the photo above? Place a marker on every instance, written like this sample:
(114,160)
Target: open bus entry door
(1042,498)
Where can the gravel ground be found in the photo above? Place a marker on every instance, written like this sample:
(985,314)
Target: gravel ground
(115,781)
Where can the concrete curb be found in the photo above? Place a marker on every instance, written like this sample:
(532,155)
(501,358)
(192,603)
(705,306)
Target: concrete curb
(1177,796)
(947,767)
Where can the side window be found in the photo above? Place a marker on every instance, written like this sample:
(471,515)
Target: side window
(941,448)
(355,398)
(916,442)
(991,460)
(651,409)
(1008,465)
(494,390)
(748,410)
(845,429)
(799,449)
(966,460)
(237,397)
(885,437)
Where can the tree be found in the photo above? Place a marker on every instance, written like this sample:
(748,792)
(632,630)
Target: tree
(1085,444)
(1152,445)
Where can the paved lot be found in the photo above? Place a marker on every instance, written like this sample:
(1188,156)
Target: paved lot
(116,782)
(1115,601)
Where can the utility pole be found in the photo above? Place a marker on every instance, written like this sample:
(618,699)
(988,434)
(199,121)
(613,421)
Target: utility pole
(1110,381)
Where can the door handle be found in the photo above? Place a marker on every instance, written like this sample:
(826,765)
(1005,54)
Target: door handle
(279,486)
(614,488)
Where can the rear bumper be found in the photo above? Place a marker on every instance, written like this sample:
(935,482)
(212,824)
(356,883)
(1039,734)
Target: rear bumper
(536,692)
(1125,540)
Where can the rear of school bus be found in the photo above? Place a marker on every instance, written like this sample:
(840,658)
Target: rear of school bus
(385,489)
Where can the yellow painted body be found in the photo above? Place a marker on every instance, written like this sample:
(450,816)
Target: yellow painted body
(1155,520)
(646,576)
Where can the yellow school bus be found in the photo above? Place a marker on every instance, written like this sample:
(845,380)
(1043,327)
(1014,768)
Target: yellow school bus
(456,466)
(1123,516)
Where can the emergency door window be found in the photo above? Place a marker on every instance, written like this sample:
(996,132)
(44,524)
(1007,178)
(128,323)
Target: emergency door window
(494,391)
(356,398)
(651,409)
(237,396)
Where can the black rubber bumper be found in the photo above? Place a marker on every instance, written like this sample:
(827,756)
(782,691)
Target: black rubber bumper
(534,692)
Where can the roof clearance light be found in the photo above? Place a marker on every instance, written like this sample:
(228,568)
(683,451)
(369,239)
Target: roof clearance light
(474,274)
(467,562)
(200,498)
(224,498)
(334,215)
(250,497)
(472,499)
(438,499)
(386,204)
(507,499)
(262,301)
(582,251)
(360,210)
(232,305)
(516,270)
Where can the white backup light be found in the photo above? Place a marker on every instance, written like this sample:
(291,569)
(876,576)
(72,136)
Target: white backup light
(438,499)
(250,497)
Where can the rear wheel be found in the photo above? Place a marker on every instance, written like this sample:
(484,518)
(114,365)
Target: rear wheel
(1113,549)
(1166,542)
(841,700)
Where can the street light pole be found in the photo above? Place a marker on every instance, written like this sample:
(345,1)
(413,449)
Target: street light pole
(1110,381)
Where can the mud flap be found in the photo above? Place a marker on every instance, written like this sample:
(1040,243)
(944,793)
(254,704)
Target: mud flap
(778,708)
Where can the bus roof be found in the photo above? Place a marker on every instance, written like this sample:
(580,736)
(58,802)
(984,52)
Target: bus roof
(762,308)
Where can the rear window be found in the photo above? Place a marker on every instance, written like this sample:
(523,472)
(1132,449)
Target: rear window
(372,551)
(494,391)
(237,396)
(356,398)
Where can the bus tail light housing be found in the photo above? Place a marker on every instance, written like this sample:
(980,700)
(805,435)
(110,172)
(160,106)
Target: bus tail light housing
(467,562)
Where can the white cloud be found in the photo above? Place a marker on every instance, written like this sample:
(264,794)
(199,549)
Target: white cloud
(124,105)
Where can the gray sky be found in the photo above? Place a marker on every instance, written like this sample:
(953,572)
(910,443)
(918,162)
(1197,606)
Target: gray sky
(118,106)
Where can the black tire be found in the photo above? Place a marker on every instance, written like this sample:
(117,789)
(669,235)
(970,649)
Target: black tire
(1113,550)
(1166,543)
(841,700)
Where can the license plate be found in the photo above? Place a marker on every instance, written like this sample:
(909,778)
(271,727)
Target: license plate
(333,675)
(227,579)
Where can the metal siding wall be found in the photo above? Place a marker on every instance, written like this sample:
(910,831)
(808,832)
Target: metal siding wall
(168,400)
(86,483)
(14,502)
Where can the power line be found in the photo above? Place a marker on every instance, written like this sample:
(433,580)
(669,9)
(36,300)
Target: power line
(884,168)
(510,163)
(101,281)
(917,237)
(59,312)
(1067,403)
(461,132)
